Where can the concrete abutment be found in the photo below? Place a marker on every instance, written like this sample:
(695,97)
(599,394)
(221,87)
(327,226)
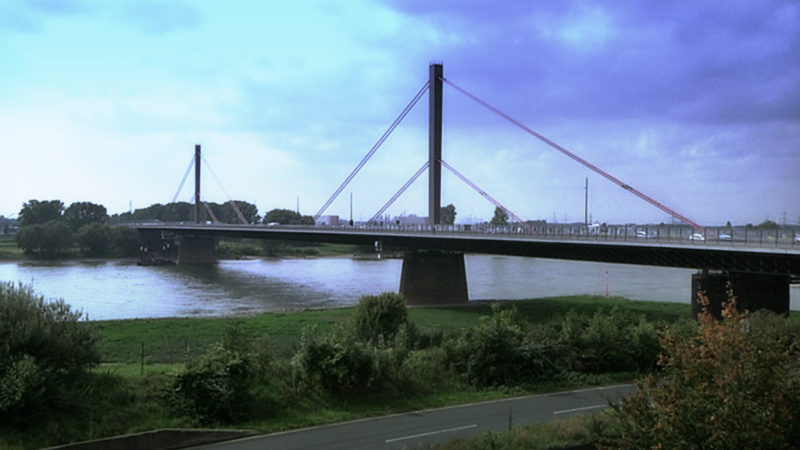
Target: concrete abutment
(434,278)
(753,291)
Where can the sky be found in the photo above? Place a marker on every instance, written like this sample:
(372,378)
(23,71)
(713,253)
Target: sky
(694,103)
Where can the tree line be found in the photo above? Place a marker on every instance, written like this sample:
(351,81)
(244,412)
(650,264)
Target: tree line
(50,229)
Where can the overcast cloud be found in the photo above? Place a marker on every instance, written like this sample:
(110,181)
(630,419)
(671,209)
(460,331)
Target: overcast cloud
(696,104)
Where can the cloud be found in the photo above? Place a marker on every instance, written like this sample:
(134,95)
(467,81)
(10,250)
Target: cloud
(625,59)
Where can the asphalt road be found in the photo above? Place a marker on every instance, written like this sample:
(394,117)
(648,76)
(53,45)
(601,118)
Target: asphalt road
(435,425)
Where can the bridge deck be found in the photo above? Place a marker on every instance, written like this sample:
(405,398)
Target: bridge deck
(759,257)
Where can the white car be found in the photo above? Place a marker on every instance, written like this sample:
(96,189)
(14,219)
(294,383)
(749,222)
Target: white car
(724,237)
(697,237)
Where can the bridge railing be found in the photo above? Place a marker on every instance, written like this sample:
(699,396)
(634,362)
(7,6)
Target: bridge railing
(788,237)
(751,237)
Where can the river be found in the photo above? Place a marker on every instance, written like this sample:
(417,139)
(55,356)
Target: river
(122,290)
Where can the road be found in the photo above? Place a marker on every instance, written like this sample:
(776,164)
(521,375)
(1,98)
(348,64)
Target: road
(435,425)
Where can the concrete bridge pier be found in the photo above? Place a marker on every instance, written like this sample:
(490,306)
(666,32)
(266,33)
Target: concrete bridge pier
(196,249)
(753,291)
(434,278)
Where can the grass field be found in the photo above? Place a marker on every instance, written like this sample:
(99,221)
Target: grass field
(174,340)
(8,248)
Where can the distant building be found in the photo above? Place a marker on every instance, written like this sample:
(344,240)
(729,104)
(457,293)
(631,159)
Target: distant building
(330,221)
(410,220)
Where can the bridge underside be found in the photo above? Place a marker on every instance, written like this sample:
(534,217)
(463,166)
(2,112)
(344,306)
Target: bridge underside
(753,291)
(434,278)
(196,249)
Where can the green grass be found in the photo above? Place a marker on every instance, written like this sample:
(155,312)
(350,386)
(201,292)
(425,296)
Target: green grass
(175,340)
(9,249)
(169,343)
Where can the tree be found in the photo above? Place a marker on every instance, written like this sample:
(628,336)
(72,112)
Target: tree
(448,214)
(768,225)
(94,239)
(287,217)
(45,350)
(500,217)
(37,212)
(734,384)
(52,237)
(81,213)
(125,241)
(249,211)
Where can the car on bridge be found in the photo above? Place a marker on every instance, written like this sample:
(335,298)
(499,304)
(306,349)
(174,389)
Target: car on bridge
(697,237)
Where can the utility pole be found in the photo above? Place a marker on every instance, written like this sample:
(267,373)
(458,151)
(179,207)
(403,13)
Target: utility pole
(586,204)
(197,183)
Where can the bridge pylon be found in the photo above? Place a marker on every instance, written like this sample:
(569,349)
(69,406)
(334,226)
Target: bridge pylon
(434,277)
(436,73)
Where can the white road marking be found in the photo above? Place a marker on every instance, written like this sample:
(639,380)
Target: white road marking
(431,433)
(583,408)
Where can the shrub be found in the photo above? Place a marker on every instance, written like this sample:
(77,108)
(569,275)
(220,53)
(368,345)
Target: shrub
(378,319)
(212,388)
(611,342)
(336,362)
(499,352)
(221,385)
(735,384)
(44,347)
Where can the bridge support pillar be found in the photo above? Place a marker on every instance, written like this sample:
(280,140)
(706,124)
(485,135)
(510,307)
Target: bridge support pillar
(753,291)
(434,278)
(197,250)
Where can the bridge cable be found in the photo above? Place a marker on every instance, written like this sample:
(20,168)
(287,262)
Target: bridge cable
(231,202)
(483,193)
(577,158)
(183,180)
(210,212)
(397,195)
(372,151)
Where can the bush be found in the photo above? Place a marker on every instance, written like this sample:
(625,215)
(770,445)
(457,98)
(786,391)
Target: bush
(735,384)
(378,319)
(498,352)
(611,342)
(219,386)
(212,388)
(336,362)
(44,347)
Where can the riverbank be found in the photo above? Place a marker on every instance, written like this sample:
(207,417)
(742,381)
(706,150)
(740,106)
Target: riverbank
(176,340)
(140,357)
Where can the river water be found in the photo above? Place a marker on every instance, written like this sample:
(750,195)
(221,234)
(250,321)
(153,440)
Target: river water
(123,290)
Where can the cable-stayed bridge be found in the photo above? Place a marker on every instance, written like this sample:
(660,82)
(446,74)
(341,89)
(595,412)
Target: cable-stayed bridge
(757,267)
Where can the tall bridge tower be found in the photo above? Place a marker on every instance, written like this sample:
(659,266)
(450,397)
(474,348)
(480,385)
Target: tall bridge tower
(435,143)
